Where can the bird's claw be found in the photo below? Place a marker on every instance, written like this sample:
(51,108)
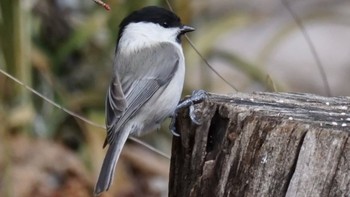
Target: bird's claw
(172,126)
(196,120)
(196,97)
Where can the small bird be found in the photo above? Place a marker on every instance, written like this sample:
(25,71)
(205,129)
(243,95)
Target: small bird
(148,77)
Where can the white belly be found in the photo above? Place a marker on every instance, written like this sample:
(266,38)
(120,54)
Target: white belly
(161,105)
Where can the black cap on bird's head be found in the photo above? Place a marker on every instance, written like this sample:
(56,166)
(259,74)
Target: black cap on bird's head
(157,15)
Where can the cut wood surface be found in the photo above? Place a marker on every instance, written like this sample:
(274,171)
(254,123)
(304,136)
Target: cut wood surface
(263,144)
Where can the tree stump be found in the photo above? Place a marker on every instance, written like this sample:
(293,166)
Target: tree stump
(263,144)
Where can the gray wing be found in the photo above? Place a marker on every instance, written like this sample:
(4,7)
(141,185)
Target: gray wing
(136,80)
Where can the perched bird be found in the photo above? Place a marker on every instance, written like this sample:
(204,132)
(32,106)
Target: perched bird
(148,77)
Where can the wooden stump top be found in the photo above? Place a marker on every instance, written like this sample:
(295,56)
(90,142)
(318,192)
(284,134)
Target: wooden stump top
(263,144)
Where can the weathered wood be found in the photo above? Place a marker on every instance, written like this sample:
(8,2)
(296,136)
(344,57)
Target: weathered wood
(263,144)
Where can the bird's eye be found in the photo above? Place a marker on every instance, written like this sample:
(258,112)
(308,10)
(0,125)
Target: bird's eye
(165,24)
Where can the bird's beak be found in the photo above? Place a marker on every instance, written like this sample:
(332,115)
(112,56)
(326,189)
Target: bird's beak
(185,29)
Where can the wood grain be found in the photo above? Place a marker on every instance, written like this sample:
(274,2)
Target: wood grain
(263,144)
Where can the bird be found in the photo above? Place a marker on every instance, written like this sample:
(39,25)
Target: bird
(147,81)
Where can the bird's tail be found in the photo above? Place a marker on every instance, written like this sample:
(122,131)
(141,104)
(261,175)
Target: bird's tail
(108,167)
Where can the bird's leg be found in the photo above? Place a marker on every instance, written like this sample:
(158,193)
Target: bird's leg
(196,97)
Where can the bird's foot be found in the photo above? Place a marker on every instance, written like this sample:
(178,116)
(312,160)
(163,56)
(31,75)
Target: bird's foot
(196,97)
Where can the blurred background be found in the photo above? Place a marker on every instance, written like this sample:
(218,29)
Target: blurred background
(64,50)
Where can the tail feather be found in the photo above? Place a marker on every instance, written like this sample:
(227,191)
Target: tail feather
(109,163)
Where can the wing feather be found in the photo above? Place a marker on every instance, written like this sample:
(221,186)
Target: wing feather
(136,80)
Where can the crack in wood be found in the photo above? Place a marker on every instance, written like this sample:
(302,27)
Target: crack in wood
(263,144)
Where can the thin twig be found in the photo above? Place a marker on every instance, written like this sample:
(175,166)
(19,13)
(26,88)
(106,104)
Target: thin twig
(208,64)
(202,57)
(103,4)
(79,116)
(311,46)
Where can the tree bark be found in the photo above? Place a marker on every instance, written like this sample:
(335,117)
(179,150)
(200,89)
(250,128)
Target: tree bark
(263,144)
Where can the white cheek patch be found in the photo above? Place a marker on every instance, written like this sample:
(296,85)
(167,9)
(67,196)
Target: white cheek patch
(139,35)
